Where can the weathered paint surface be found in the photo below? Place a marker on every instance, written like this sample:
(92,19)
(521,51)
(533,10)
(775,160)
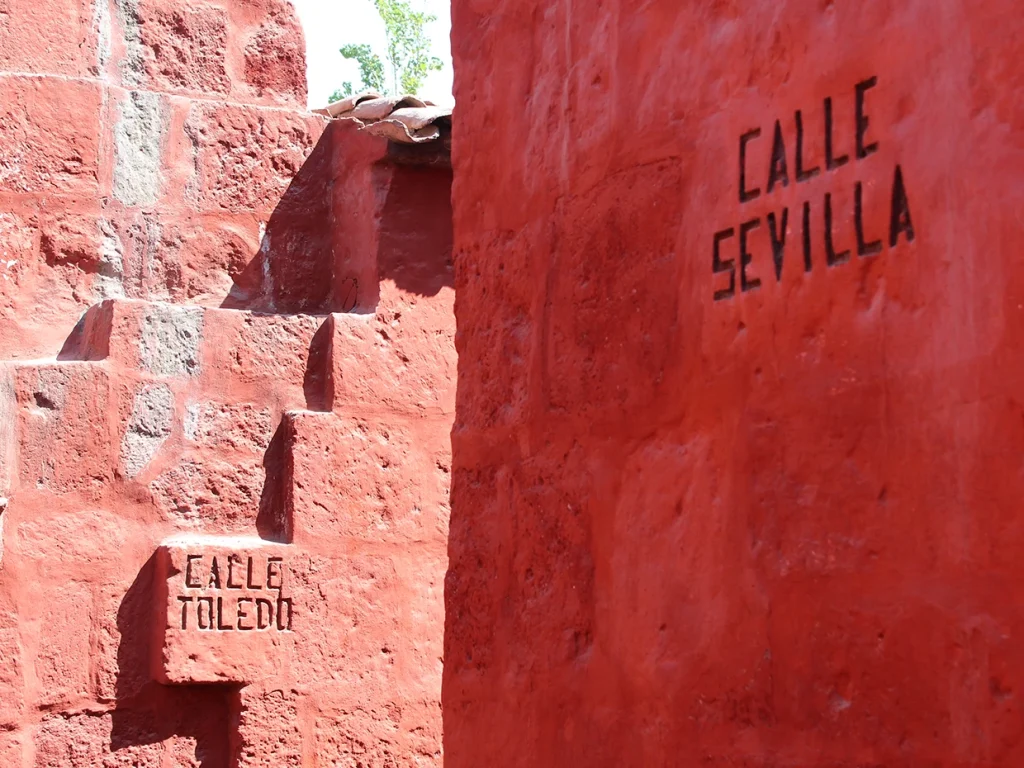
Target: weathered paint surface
(176,236)
(715,504)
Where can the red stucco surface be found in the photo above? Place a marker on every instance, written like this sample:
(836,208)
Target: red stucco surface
(226,390)
(779,526)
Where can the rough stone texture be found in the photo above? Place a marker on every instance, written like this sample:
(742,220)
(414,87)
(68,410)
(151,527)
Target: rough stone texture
(185,47)
(138,146)
(175,232)
(370,479)
(265,150)
(779,528)
(54,402)
(74,248)
(269,732)
(12,748)
(275,58)
(170,338)
(182,261)
(242,427)
(210,494)
(43,151)
(103,740)
(12,678)
(148,427)
(61,668)
(113,454)
(111,114)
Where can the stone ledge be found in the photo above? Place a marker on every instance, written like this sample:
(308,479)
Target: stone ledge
(225,610)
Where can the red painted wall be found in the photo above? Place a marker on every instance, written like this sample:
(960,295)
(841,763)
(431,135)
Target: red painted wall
(705,513)
(226,336)
(143,146)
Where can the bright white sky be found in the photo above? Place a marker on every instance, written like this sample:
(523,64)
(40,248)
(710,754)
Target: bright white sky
(330,24)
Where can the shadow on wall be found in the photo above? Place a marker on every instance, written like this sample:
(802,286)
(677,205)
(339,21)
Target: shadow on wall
(415,247)
(272,520)
(290,273)
(356,213)
(193,722)
(353,217)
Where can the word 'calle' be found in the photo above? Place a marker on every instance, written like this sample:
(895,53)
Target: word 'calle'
(241,599)
(778,176)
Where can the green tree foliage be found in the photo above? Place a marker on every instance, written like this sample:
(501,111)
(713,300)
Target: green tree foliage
(371,71)
(408,55)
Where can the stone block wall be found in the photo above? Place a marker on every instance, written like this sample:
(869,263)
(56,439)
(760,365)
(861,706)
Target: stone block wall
(226,390)
(736,484)
(143,146)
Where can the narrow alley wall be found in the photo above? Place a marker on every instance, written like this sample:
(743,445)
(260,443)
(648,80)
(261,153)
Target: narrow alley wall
(226,391)
(738,434)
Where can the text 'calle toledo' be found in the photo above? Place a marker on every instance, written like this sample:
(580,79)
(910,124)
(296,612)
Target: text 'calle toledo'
(235,593)
(789,163)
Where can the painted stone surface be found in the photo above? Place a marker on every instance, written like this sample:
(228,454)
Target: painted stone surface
(189,352)
(736,460)
(113,171)
(206,495)
(228,607)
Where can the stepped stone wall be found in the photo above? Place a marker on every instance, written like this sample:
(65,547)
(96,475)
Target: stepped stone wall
(226,390)
(143,146)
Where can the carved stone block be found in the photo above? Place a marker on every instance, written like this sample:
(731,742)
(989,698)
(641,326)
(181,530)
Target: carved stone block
(226,612)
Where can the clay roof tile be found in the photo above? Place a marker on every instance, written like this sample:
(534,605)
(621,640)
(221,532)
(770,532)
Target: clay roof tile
(403,119)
